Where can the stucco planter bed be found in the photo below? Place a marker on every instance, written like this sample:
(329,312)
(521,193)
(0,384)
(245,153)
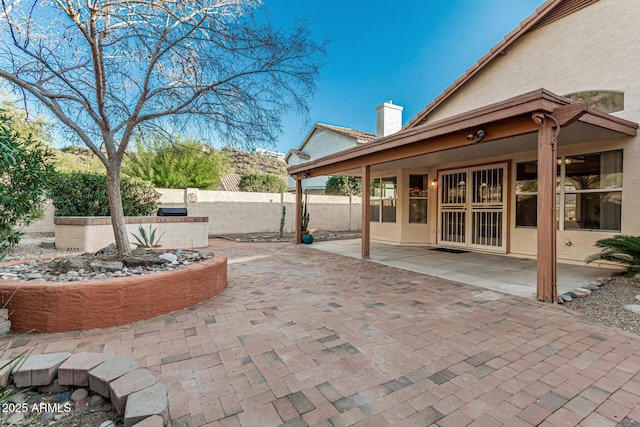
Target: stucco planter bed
(70,306)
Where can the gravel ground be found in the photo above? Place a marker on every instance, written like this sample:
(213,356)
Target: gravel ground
(318,235)
(29,248)
(607,304)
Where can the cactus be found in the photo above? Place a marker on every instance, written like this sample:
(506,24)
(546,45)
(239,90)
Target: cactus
(284,212)
(304,216)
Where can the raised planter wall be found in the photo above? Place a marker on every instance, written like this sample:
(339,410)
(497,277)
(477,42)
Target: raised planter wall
(90,234)
(70,306)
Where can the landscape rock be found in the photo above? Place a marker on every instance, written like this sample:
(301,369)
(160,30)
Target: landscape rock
(48,242)
(634,308)
(108,266)
(169,257)
(132,262)
(566,298)
(79,394)
(111,249)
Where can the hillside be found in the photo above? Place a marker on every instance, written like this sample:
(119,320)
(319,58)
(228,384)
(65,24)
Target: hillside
(242,162)
(81,159)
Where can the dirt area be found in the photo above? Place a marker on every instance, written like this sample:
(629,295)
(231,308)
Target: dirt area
(318,235)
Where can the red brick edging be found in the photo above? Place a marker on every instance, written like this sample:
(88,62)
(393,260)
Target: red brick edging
(71,306)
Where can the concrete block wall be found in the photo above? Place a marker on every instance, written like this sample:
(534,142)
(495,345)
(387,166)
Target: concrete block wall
(239,212)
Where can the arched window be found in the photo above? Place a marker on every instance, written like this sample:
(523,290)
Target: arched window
(607,101)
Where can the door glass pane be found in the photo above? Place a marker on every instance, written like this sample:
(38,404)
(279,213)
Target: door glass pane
(453,228)
(454,188)
(487,226)
(487,186)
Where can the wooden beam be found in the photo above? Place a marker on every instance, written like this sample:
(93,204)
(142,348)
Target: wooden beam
(546,214)
(413,146)
(366,211)
(568,114)
(298,212)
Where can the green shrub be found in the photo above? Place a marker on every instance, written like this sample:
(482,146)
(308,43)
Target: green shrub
(621,249)
(25,171)
(179,164)
(85,194)
(343,186)
(262,183)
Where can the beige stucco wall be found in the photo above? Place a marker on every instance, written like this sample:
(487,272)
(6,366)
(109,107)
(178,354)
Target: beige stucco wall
(594,48)
(240,212)
(91,238)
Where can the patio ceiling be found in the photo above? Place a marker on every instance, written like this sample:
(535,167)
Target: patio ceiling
(508,126)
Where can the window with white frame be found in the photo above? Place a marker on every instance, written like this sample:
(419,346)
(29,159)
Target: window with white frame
(384,195)
(589,192)
(418,190)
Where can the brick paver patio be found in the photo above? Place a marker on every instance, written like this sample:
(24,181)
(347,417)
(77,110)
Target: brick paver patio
(310,338)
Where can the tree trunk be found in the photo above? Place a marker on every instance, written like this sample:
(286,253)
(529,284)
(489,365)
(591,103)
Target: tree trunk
(117,213)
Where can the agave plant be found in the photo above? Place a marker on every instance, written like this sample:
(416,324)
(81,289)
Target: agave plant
(147,240)
(621,249)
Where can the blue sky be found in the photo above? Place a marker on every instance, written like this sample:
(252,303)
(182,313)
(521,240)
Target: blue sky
(406,51)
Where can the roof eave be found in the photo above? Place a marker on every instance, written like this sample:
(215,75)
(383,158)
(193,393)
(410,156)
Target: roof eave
(538,100)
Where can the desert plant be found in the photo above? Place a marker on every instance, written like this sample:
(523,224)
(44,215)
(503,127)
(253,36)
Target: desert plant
(147,240)
(176,164)
(262,183)
(304,213)
(621,249)
(85,194)
(282,219)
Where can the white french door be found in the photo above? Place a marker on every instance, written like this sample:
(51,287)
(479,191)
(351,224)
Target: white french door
(472,208)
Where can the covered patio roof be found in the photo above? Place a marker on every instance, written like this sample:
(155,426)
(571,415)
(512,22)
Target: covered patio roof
(509,120)
(527,122)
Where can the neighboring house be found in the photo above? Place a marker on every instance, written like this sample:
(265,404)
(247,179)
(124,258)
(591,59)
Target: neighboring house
(477,168)
(321,141)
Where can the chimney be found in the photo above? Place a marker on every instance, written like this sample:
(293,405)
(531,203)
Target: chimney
(389,119)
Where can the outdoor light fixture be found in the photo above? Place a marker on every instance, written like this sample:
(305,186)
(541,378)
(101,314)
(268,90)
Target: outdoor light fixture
(307,174)
(480,135)
(434,182)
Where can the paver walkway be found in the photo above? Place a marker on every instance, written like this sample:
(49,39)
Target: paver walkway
(310,338)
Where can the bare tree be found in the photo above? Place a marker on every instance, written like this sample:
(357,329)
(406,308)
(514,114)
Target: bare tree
(109,68)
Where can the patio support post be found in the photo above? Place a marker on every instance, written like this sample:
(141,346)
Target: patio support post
(546,214)
(298,212)
(366,212)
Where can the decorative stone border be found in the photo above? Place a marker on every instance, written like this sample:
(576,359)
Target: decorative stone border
(132,390)
(583,291)
(70,306)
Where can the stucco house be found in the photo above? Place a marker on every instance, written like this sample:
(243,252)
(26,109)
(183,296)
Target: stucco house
(533,151)
(324,140)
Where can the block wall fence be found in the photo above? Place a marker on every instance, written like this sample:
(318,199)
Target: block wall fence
(239,212)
